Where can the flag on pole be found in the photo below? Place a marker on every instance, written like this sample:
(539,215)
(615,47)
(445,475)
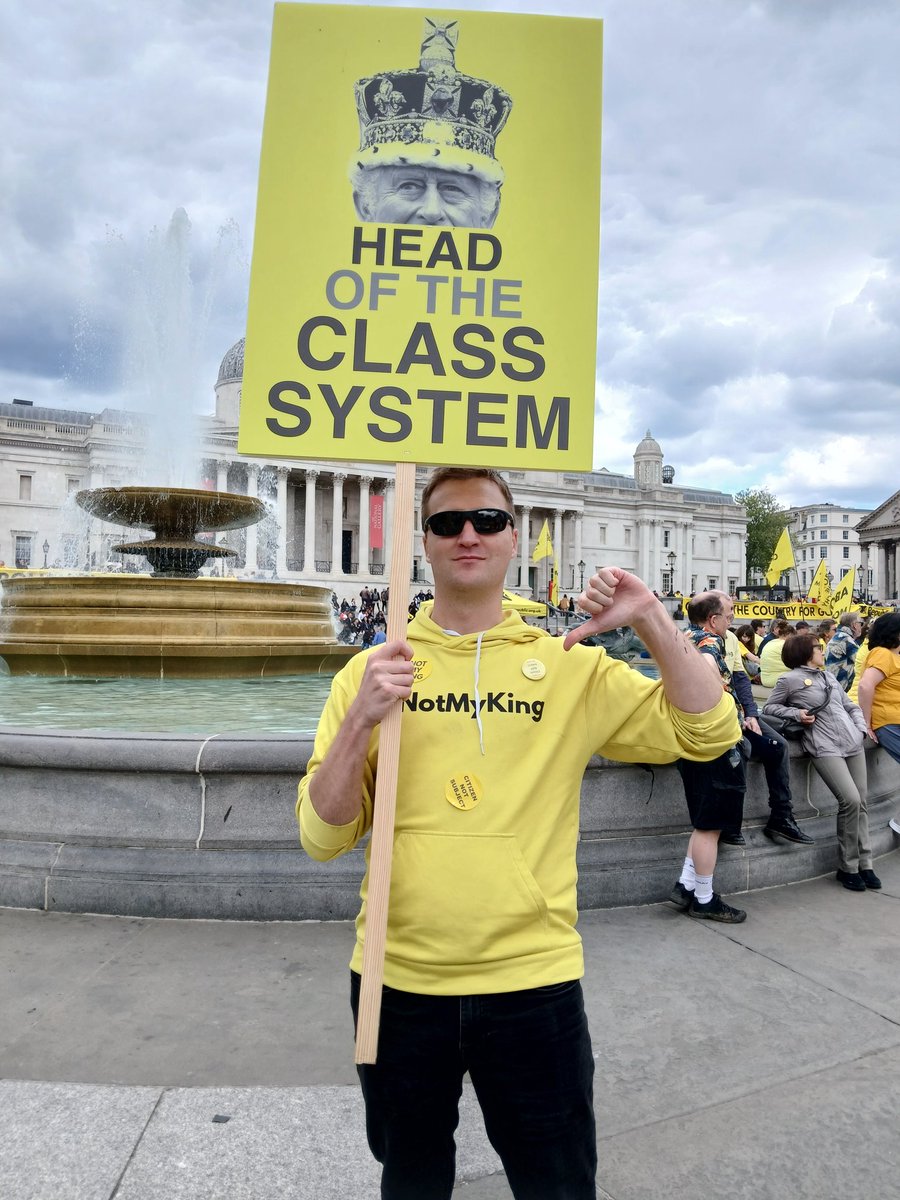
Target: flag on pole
(842,597)
(544,547)
(782,559)
(554,582)
(819,589)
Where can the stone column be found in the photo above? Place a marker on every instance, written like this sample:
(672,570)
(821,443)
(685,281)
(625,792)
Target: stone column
(558,549)
(579,542)
(687,558)
(250,558)
(895,579)
(281,509)
(309,525)
(863,583)
(524,547)
(365,482)
(337,521)
(222,465)
(883,592)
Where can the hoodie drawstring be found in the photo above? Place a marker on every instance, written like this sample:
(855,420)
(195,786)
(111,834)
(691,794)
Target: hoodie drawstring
(477,696)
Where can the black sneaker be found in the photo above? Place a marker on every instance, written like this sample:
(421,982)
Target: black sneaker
(732,839)
(681,896)
(852,880)
(870,879)
(717,910)
(788,829)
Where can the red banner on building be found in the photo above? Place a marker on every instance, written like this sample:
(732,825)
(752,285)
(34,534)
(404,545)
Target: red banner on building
(376,522)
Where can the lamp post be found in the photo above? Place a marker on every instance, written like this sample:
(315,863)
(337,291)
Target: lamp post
(670,558)
(581,565)
(46,550)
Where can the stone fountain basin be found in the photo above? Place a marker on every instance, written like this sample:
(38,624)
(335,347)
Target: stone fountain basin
(121,625)
(176,512)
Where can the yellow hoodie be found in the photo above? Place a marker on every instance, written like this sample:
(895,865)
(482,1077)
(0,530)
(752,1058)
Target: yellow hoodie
(496,736)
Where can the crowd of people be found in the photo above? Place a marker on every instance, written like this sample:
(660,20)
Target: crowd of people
(833,688)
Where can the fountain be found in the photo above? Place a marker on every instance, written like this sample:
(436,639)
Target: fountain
(172,624)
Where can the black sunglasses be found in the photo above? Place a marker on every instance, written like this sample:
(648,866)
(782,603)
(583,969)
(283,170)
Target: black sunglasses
(484,520)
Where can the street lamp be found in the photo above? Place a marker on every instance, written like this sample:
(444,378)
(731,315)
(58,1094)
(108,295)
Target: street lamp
(46,550)
(581,566)
(670,558)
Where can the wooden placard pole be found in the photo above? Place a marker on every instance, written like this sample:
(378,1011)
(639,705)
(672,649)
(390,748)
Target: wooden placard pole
(386,781)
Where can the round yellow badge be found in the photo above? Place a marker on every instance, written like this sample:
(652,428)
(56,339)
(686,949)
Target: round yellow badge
(807,683)
(422,669)
(533,668)
(463,791)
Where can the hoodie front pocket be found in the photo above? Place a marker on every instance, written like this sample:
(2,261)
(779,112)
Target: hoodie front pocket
(459,899)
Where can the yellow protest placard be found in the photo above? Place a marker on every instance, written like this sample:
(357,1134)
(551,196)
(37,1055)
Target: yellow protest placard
(424,281)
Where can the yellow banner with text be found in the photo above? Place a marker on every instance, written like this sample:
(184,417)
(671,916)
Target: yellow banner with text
(425,265)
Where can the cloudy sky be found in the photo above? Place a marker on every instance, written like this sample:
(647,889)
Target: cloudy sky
(749,295)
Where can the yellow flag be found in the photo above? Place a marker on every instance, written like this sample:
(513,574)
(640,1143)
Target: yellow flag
(544,547)
(554,583)
(842,598)
(782,559)
(819,590)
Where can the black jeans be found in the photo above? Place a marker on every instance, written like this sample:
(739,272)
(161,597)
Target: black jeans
(771,750)
(529,1057)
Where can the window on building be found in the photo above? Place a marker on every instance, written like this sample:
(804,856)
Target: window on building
(666,539)
(823,552)
(846,535)
(823,518)
(23,549)
(803,579)
(601,535)
(732,586)
(846,552)
(823,534)
(72,485)
(25,487)
(846,518)
(666,581)
(627,537)
(871,577)
(713,582)
(804,556)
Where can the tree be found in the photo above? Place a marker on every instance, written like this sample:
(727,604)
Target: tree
(766,518)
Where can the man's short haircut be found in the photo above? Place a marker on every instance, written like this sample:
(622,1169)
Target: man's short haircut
(781,627)
(703,606)
(798,650)
(447,474)
(848,619)
(825,626)
(802,626)
(757,623)
(885,632)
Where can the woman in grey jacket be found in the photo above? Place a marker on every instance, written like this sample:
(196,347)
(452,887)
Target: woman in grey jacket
(834,739)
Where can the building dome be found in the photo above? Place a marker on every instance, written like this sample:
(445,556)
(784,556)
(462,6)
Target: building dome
(648,458)
(232,368)
(648,445)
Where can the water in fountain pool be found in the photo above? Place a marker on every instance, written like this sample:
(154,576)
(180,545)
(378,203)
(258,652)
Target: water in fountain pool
(204,706)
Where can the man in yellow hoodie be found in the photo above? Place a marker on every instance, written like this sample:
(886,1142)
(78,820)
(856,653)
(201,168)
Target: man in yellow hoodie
(483,962)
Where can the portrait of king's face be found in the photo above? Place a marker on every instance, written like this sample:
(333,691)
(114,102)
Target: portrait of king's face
(427,141)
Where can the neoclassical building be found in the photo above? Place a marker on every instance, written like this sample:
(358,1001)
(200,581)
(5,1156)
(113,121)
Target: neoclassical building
(879,541)
(330,522)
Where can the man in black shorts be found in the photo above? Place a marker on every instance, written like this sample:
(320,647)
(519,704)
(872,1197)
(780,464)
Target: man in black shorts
(714,790)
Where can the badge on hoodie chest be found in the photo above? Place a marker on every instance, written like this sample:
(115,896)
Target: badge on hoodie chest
(533,668)
(421,669)
(463,791)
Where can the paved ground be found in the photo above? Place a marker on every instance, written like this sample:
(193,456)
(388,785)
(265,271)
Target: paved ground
(161,1060)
